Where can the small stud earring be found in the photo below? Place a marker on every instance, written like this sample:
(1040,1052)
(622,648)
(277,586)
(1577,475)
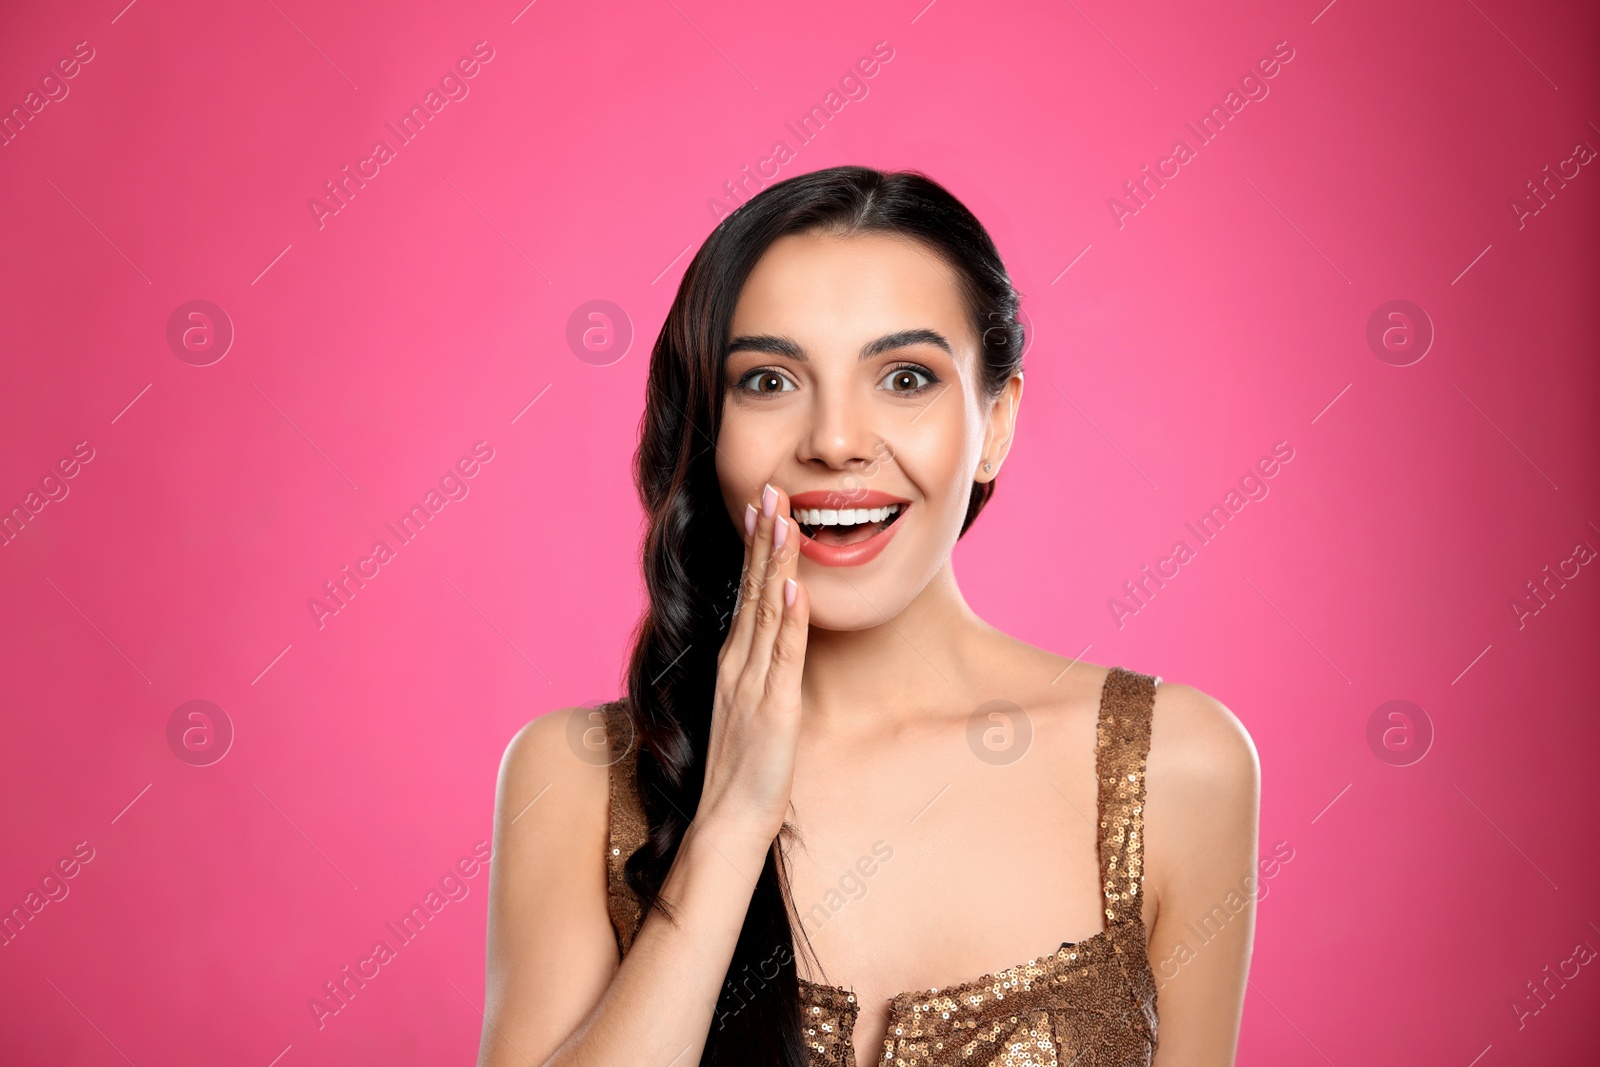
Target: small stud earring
(987,466)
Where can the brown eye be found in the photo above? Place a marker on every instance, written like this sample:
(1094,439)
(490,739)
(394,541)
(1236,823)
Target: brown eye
(765,381)
(907,380)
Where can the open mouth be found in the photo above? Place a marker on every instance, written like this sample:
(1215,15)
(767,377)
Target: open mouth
(846,526)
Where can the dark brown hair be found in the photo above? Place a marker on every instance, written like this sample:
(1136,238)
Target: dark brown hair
(692,553)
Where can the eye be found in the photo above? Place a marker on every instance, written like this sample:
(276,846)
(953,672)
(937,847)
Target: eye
(764,380)
(909,379)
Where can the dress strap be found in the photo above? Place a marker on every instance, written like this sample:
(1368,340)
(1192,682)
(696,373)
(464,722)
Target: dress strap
(1122,741)
(627,826)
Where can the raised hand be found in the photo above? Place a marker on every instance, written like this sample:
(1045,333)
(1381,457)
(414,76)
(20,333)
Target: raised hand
(755,716)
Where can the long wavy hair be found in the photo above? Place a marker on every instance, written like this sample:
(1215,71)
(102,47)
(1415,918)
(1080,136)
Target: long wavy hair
(692,553)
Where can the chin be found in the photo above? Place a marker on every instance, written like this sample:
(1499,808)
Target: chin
(845,612)
(846,599)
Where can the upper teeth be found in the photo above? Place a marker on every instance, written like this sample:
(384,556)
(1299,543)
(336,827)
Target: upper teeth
(843,517)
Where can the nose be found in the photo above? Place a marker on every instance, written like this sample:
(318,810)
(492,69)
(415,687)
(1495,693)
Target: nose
(841,435)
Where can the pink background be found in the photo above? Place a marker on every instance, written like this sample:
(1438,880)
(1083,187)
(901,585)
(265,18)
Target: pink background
(1229,313)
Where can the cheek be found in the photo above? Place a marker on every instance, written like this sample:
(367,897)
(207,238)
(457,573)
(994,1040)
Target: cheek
(745,458)
(935,459)
(937,456)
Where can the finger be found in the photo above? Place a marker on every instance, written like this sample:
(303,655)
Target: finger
(769,604)
(769,612)
(746,527)
(787,662)
(755,576)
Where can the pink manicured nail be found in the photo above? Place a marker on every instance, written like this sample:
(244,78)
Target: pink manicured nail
(789,589)
(781,534)
(750,519)
(769,501)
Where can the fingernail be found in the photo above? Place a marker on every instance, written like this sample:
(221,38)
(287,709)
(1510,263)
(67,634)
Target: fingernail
(781,534)
(769,501)
(750,520)
(789,589)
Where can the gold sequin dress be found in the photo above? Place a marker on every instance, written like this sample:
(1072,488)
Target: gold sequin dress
(1088,1004)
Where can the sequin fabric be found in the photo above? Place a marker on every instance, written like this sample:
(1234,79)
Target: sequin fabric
(628,827)
(1090,1004)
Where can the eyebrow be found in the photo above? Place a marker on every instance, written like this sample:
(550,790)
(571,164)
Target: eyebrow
(783,346)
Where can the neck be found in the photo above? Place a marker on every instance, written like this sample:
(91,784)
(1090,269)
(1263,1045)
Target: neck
(868,680)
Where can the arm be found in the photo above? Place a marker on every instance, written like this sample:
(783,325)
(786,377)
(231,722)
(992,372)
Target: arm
(556,994)
(1203,789)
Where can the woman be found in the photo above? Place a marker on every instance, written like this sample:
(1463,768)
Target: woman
(844,820)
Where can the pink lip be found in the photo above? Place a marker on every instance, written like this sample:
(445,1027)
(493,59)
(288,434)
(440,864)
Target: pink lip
(862,551)
(843,498)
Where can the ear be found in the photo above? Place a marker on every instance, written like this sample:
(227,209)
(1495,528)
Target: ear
(1001,430)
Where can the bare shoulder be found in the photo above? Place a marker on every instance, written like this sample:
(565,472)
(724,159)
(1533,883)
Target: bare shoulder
(1202,803)
(550,946)
(552,808)
(1202,789)
(566,745)
(1048,682)
(1197,744)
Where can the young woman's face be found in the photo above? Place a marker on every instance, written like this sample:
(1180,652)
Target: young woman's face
(852,384)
